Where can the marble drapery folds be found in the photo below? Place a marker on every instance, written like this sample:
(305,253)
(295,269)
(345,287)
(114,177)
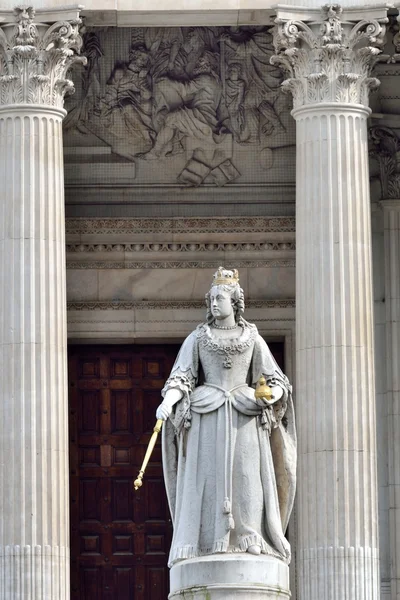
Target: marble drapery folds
(230,484)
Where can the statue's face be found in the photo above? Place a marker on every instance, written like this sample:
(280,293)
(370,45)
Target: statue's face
(138,60)
(233,74)
(193,41)
(220,303)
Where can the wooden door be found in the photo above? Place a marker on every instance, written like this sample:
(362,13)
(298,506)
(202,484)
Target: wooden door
(119,538)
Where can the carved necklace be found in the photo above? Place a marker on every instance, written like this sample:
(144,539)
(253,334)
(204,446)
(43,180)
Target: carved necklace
(225,328)
(227,364)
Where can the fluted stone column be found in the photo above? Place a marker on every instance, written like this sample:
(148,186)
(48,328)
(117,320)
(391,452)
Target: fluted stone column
(391,208)
(34,499)
(328,62)
(385,146)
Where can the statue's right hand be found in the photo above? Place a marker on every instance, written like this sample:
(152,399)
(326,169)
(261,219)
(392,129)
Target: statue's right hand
(163,411)
(172,396)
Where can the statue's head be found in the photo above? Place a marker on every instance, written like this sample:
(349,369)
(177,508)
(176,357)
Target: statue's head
(138,58)
(234,71)
(203,65)
(193,40)
(226,283)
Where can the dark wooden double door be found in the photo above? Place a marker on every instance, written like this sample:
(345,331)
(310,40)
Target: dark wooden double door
(119,538)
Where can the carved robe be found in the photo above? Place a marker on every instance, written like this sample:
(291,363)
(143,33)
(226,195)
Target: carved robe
(229,462)
(189,107)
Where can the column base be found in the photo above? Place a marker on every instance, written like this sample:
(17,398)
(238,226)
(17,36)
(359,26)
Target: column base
(230,576)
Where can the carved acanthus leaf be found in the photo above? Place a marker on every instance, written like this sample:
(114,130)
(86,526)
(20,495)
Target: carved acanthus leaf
(328,60)
(35,58)
(385,148)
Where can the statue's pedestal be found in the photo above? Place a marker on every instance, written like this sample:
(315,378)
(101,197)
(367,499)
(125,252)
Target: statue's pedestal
(230,576)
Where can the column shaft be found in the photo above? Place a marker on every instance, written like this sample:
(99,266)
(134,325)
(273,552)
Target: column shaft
(34,500)
(337,503)
(392,299)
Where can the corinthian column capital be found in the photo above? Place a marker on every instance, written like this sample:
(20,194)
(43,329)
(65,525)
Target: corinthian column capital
(328,57)
(35,58)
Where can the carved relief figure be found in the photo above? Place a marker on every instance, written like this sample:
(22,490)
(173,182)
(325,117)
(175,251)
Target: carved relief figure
(185,108)
(90,92)
(251,47)
(164,44)
(235,89)
(229,457)
(126,107)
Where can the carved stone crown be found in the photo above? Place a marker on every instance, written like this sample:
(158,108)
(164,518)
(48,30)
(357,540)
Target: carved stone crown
(224,277)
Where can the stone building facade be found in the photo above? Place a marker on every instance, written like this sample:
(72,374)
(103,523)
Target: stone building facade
(235,134)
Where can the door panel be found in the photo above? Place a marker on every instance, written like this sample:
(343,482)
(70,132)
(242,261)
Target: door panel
(120,539)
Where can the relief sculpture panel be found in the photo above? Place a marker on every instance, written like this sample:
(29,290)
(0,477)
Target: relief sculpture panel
(198,99)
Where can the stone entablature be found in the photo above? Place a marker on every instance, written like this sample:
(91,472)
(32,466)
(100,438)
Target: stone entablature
(180,243)
(121,285)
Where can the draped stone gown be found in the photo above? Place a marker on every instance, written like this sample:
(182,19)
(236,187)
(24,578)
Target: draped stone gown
(229,462)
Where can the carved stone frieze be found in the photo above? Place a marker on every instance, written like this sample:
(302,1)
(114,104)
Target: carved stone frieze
(385,149)
(171,304)
(114,226)
(156,264)
(185,247)
(35,58)
(330,59)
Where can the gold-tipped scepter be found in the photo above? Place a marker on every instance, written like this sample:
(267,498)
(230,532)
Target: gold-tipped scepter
(157,428)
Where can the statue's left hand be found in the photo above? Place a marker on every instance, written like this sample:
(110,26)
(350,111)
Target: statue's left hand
(277,392)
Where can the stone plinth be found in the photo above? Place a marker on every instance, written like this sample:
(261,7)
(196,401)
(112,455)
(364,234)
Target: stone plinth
(230,576)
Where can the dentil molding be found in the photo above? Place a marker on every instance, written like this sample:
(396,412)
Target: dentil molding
(329,59)
(35,58)
(182,247)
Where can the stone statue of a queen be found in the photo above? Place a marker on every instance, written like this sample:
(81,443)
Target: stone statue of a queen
(229,458)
